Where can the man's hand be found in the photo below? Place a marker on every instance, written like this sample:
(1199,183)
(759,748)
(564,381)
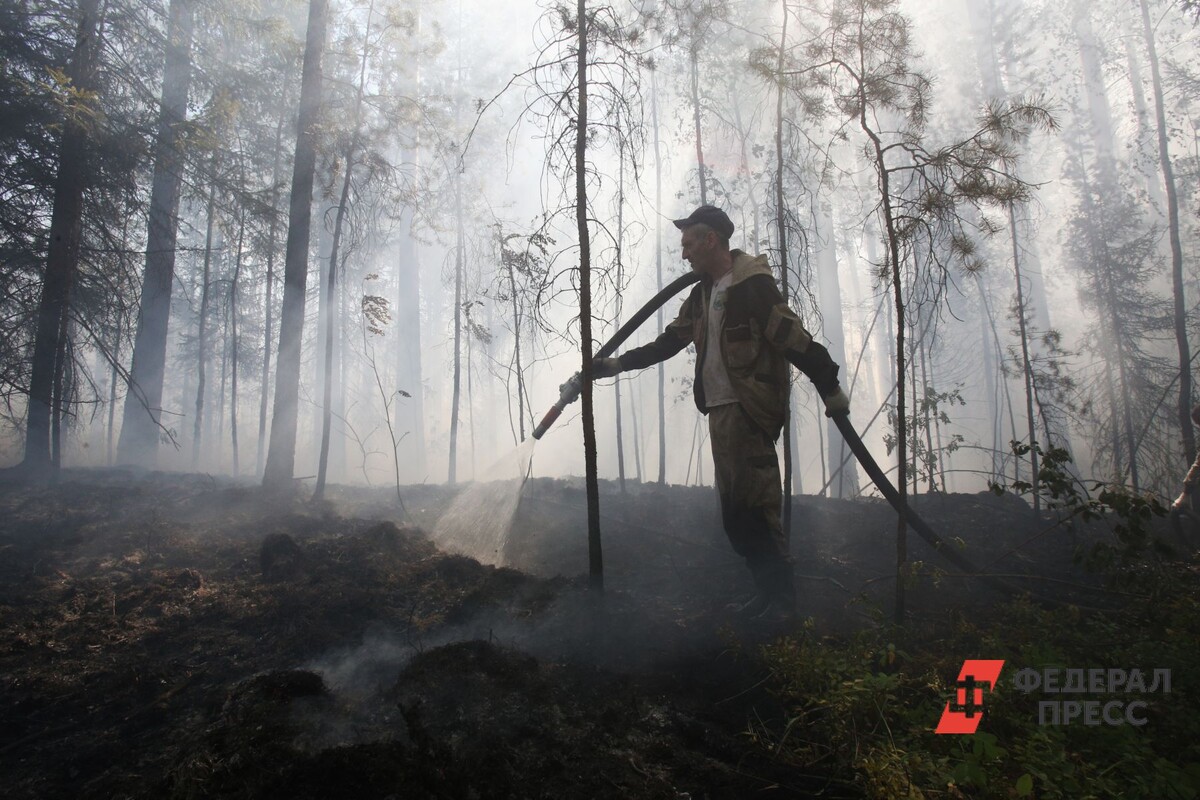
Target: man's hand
(837,403)
(605,367)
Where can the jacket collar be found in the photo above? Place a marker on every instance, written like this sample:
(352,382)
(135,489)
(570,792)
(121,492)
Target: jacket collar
(744,266)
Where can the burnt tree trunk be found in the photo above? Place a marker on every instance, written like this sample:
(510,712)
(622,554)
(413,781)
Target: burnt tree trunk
(662,387)
(595,551)
(617,324)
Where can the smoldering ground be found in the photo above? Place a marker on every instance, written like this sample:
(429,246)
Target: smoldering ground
(147,648)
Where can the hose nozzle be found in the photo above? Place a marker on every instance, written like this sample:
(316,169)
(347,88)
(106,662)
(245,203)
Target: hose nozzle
(567,393)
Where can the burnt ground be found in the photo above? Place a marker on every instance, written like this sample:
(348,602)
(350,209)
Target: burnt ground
(176,636)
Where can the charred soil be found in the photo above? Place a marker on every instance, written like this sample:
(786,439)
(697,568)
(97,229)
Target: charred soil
(172,636)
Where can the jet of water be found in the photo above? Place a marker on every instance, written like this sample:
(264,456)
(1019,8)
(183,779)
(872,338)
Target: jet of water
(479,521)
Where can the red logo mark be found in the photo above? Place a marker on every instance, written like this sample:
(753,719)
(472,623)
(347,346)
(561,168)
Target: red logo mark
(962,714)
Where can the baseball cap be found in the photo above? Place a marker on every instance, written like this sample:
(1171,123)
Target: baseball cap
(711,216)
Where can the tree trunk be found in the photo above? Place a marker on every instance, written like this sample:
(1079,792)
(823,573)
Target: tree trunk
(990,388)
(617,323)
(269,304)
(893,264)
(281,458)
(928,414)
(830,293)
(662,388)
(329,321)
(224,373)
(138,442)
(1146,132)
(516,312)
(61,390)
(1184,406)
(341,367)
(913,469)
(471,390)
(942,455)
(458,293)
(694,73)
(781,227)
(62,257)
(113,377)
(595,552)
(1100,112)
(233,342)
(1002,387)
(1026,363)
(635,397)
(408,329)
(202,322)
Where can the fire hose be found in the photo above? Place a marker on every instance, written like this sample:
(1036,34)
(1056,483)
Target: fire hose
(569,393)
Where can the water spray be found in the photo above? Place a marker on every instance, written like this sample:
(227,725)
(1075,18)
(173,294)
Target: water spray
(569,392)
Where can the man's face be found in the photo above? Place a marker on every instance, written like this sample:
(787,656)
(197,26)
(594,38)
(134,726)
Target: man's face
(697,248)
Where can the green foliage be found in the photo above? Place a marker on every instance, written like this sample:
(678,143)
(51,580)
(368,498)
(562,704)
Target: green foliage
(1130,515)
(924,414)
(865,708)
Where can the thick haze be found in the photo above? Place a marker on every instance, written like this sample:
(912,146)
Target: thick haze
(469,67)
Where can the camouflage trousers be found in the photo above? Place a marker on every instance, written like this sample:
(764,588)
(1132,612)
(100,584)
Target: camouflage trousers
(751,492)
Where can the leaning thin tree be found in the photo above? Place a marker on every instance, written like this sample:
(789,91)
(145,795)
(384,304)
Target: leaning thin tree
(863,57)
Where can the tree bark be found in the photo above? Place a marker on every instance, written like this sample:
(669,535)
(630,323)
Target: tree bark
(233,342)
(595,551)
(662,388)
(141,415)
(329,321)
(456,394)
(781,227)
(516,315)
(617,323)
(281,457)
(202,321)
(269,305)
(694,73)
(830,289)
(1026,364)
(62,257)
(114,375)
(408,330)
(1184,406)
(893,262)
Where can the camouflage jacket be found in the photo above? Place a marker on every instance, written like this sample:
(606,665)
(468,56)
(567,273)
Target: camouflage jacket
(760,336)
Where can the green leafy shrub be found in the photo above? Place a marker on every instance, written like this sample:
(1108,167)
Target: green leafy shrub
(864,709)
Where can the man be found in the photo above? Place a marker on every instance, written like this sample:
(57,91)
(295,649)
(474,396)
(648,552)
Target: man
(745,335)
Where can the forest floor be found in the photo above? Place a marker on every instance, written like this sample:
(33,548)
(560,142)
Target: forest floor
(177,636)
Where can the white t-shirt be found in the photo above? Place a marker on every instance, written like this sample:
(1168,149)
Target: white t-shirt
(718,391)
